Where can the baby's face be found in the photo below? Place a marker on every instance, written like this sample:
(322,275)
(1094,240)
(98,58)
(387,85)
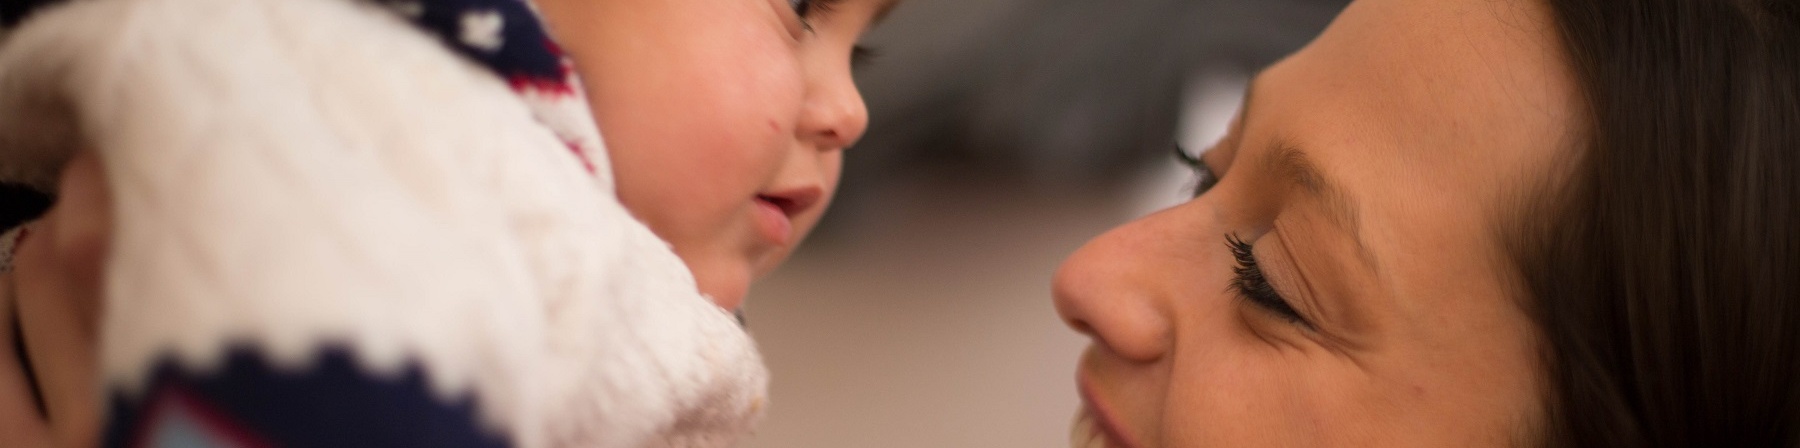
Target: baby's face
(726,120)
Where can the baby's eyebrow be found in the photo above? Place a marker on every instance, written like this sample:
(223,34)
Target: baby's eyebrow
(881,11)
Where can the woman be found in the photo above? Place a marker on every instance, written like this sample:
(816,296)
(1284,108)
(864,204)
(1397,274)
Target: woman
(1473,223)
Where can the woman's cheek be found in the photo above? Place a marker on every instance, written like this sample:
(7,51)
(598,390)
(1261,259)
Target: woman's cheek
(58,274)
(66,249)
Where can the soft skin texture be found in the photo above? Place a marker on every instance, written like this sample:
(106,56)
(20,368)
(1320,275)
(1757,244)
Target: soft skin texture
(58,275)
(1431,119)
(710,107)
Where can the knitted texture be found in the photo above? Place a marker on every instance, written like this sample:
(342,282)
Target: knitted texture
(295,174)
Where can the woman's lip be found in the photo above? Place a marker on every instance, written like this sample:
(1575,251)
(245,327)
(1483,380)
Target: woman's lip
(1103,417)
(772,222)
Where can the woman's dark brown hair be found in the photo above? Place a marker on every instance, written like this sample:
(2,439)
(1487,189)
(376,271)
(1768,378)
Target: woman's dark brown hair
(1665,273)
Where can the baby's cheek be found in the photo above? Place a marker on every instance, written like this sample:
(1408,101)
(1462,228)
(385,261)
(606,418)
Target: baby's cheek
(770,83)
(772,107)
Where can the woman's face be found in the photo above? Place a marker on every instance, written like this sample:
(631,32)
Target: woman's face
(1370,178)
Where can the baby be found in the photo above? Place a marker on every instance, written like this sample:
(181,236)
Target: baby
(396,223)
(726,119)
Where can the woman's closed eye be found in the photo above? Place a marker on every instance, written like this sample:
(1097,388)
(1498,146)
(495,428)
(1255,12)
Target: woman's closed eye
(1250,284)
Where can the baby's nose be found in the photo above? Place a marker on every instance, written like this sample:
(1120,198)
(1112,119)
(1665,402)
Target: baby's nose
(835,115)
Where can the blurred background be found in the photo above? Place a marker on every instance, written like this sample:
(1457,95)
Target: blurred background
(1004,134)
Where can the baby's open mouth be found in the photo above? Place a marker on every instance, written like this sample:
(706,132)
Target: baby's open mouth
(793,201)
(774,221)
(787,206)
(777,210)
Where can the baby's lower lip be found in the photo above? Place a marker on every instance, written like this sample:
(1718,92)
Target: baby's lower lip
(773,223)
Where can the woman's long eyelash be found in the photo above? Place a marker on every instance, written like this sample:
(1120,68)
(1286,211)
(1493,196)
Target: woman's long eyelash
(1204,177)
(1252,285)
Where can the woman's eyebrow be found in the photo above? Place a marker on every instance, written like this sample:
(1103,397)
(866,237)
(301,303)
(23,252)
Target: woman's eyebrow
(1293,165)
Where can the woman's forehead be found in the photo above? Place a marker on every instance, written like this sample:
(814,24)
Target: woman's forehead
(1466,109)
(1429,116)
(1490,64)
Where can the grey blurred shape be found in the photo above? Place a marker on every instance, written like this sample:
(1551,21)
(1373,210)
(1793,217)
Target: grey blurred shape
(1051,91)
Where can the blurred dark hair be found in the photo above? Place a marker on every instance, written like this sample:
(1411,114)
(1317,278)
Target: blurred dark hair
(20,203)
(1665,272)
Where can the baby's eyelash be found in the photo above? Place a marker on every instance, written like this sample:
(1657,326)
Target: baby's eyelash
(1252,285)
(808,8)
(862,55)
(1204,177)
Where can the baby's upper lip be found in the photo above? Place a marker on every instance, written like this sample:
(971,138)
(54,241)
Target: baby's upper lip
(793,200)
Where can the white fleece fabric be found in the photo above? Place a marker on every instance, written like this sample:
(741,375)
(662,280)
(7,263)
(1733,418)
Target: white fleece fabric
(289,174)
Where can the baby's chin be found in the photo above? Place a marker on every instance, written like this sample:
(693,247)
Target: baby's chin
(725,284)
(726,277)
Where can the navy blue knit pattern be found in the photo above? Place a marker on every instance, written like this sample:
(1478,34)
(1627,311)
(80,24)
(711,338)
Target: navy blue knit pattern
(332,402)
(525,52)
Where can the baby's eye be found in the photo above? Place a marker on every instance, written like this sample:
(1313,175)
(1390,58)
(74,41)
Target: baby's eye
(807,8)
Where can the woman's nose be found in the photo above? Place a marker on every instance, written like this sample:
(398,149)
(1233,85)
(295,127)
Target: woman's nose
(1112,290)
